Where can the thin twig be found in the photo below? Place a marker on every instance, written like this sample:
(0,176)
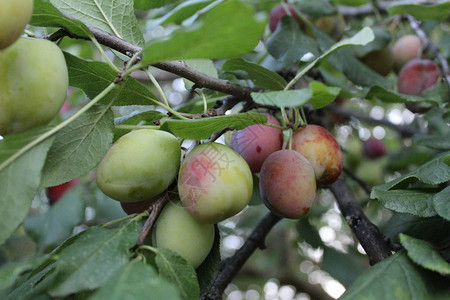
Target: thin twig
(358,180)
(154,209)
(232,265)
(368,235)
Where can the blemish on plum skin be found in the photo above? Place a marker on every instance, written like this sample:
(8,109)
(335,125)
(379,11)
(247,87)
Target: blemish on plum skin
(258,149)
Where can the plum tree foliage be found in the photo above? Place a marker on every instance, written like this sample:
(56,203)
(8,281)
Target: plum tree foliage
(308,129)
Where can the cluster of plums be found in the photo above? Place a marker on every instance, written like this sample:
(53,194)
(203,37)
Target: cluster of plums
(33,73)
(214,181)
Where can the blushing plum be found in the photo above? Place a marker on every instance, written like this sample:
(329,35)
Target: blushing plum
(33,84)
(178,231)
(417,76)
(277,13)
(405,49)
(321,149)
(214,182)
(287,184)
(374,148)
(139,166)
(255,142)
(14,16)
(56,192)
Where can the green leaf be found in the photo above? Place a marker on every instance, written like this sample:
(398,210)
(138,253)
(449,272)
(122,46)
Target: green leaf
(418,202)
(388,96)
(289,98)
(178,271)
(438,12)
(46,15)
(394,278)
(136,281)
(308,233)
(262,77)
(442,204)
(10,272)
(424,254)
(19,178)
(56,224)
(210,268)
(93,258)
(256,194)
(94,77)
(113,16)
(345,267)
(288,43)
(229,29)
(351,2)
(439,141)
(381,41)
(317,8)
(148,4)
(185,10)
(79,146)
(322,94)
(421,228)
(146,117)
(205,66)
(199,129)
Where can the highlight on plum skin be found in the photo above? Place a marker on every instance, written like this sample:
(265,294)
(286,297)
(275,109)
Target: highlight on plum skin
(287,184)
(256,142)
(322,150)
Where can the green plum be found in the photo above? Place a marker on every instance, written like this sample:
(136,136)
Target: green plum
(214,182)
(178,231)
(14,16)
(33,84)
(139,166)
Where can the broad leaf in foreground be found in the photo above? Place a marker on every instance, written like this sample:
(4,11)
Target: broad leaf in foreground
(136,281)
(93,258)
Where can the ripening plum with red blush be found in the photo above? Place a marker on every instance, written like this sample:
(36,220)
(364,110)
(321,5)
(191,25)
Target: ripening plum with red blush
(374,148)
(321,149)
(256,142)
(56,192)
(287,184)
(417,76)
(277,13)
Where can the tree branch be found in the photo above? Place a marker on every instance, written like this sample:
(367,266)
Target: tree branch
(232,265)
(403,130)
(179,68)
(155,208)
(427,44)
(368,235)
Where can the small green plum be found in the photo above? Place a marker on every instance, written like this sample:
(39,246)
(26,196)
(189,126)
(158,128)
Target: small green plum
(139,165)
(33,84)
(214,182)
(178,231)
(14,16)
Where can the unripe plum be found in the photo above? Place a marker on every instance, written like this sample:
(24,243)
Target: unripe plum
(321,149)
(56,192)
(178,231)
(287,184)
(14,16)
(381,61)
(417,76)
(214,182)
(139,165)
(374,148)
(405,49)
(33,84)
(255,142)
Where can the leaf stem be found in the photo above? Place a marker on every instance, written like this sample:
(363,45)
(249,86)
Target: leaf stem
(132,127)
(102,52)
(156,84)
(58,127)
